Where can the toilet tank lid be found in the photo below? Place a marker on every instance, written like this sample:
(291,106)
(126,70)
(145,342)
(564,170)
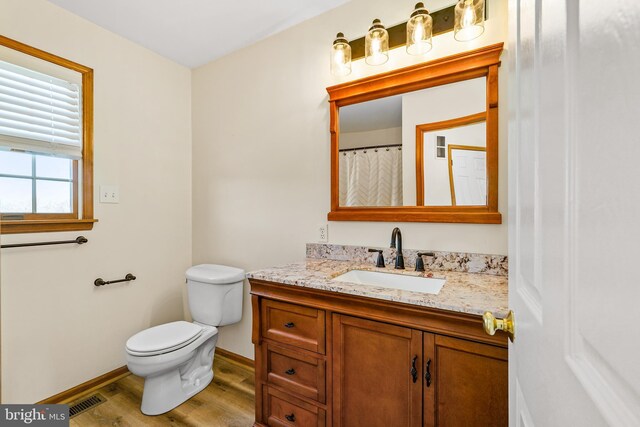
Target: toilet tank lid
(215,274)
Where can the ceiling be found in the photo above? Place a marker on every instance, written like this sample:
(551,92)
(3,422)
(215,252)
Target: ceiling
(382,113)
(194,32)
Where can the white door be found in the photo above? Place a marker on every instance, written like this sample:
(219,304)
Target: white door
(469,176)
(574,212)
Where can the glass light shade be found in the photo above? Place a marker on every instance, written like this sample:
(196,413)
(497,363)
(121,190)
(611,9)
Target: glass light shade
(469,20)
(419,30)
(376,44)
(340,56)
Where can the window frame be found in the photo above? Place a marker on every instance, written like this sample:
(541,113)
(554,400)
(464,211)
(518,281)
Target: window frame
(49,222)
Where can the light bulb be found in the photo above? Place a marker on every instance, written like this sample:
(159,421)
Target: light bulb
(376,44)
(469,20)
(418,34)
(340,56)
(419,31)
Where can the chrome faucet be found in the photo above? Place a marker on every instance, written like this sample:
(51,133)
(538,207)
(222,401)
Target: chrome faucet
(396,242)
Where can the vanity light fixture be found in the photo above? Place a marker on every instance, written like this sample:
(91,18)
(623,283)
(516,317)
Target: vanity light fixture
(376,44)
(419,30)
(469,20)
(340,56)
(465,18)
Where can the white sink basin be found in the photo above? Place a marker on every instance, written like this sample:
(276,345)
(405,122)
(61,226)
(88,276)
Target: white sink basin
(426,285)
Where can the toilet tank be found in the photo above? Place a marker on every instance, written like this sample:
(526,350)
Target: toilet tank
(215,294)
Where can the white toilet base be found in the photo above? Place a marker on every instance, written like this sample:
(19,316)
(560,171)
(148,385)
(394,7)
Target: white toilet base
(171,387)
(164,392)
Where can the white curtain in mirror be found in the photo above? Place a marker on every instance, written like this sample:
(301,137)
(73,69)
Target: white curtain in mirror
(371,177)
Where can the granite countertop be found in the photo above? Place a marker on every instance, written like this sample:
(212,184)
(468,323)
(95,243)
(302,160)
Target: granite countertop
(471,293)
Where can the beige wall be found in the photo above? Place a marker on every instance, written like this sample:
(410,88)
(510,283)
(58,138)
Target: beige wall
(261,149)
(58,330)
(370,138)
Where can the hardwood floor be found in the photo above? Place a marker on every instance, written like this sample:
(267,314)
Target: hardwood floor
(227,402)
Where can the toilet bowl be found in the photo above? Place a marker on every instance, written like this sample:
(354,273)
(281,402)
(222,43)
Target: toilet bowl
(176,358)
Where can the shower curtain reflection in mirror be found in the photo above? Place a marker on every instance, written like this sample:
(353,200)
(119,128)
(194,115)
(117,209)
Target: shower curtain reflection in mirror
(371,176)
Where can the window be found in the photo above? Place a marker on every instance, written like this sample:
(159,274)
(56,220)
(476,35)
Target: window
(46,164)
(34,184)
(441,147)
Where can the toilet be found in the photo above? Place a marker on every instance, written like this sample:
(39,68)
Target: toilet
(176,358)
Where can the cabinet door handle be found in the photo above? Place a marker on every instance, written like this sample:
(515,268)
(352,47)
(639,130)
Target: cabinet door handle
(427,375)
(291,417)
(414,371)
(290,371)
(289,325)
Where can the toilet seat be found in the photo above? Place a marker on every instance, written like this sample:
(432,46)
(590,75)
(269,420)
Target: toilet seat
(163,338)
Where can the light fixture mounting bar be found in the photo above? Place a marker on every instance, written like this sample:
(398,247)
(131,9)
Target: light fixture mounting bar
(443,21)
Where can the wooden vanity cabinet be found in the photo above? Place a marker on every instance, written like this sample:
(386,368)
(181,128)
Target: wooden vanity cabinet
(471,383)
(372,381)
(457,382)
(351,361)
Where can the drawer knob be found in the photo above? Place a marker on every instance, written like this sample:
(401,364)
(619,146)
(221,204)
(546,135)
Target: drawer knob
(291,417)
(290,371)
(289,325)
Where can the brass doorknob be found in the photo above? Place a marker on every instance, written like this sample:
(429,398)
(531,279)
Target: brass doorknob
(508,324)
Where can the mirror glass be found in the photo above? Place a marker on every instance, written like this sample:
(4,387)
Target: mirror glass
(421,148)
(459,154)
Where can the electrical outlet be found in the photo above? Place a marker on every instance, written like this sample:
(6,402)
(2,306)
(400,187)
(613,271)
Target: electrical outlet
(109,194)
(323,233)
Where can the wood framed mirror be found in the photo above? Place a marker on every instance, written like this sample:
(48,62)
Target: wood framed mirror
(418,144)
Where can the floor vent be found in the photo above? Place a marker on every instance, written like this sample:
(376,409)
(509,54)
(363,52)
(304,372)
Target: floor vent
(85,405)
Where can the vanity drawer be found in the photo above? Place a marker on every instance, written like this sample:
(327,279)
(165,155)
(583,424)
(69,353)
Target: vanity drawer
(299,373)
(303,327)
(284,410)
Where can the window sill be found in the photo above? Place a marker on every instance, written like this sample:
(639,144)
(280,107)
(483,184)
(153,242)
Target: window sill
(45,225)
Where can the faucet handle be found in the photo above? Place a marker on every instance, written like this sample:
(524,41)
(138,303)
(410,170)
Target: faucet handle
(380,260)
(420,261)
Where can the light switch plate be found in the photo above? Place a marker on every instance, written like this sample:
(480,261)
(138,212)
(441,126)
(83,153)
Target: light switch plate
(109,194)
(323,233)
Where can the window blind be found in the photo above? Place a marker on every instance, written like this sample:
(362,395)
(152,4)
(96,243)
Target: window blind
(39,113)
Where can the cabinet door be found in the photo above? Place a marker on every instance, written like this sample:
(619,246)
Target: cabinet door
(471,383)
(373,381)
